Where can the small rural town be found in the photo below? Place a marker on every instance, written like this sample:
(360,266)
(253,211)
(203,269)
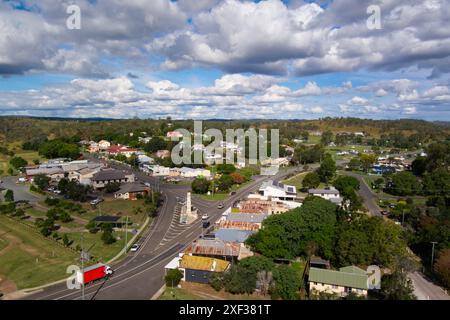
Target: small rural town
(225,158)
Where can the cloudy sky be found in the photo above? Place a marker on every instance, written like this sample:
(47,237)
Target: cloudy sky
(226,59)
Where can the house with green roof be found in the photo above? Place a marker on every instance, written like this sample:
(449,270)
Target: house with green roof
(346,280)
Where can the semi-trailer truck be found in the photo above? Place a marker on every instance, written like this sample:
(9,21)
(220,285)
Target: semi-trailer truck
(96,272)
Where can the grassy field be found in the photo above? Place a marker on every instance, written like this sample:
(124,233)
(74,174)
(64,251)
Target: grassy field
(221,196)
(94,244)
(31,260)
(29,156)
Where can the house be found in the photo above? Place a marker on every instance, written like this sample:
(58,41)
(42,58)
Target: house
(103,177)
(330,194)
(196,268)
(162,154)
(132,191)
(142,158)
(347,280)
(156,170)
(278,191)
(174,134)
(144,139)
(93,148)
(281,162)
(215,248)
(186,172)
(116,150)
(104,145)
(233,235)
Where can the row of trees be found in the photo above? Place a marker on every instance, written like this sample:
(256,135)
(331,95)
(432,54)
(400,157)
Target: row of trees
(319,227)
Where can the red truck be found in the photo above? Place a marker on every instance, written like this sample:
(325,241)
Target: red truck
(96,272)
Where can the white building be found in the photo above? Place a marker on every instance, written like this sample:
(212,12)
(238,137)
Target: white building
(278,191)
(104,145)
(331,194)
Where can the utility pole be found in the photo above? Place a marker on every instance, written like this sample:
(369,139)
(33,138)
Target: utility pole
(432,254)
(403,217)
(82,267)
(126,234)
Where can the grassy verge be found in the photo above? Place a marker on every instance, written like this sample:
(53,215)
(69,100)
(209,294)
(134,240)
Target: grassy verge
(178,294)
(32,260)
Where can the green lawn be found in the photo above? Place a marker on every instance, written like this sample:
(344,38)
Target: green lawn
(296,180)
(34,260)
(99,250)
(178,294)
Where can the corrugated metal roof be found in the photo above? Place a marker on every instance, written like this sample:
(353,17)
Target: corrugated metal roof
(338,278)
(203,263)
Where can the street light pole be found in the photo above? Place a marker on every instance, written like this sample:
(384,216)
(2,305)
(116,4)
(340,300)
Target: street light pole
(82,267)
(126,234)
(403,217)
(432,254)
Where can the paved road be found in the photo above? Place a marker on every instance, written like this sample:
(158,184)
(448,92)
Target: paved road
(140,275)
(370,199)
(21,190)
(426,290)
(423,288)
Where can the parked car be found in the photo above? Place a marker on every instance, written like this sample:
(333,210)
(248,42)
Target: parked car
(96,201)
(205,217)
(220,206)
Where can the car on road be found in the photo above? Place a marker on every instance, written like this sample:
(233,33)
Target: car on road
(232,193)
(57,191)
(384,212)
(220,206)
(96,201)
(147,184)
(135,247)
(205,217)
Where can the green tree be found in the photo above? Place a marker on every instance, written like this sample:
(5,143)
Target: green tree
(327,169)
(419,166)
(442,266)
(405,184)
(290,234)
(311,180)
(327,138)
(155,144)
(226,168)
(107,235)
(287,283)
(66,240)
(343,182)
(367,161)
(173,277)
(354,164)
(41,181)
(437,182)
(397,286)
(200,185)
(65,217)
(18,162)
(112,187)
(225,182)
(239,280)
(9,195)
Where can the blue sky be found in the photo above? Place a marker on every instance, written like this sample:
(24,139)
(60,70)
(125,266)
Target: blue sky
(226,59)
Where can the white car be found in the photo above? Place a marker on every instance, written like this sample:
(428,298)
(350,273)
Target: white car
(135,247)
(205,217)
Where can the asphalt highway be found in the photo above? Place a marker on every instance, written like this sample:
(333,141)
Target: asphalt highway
(141,274)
